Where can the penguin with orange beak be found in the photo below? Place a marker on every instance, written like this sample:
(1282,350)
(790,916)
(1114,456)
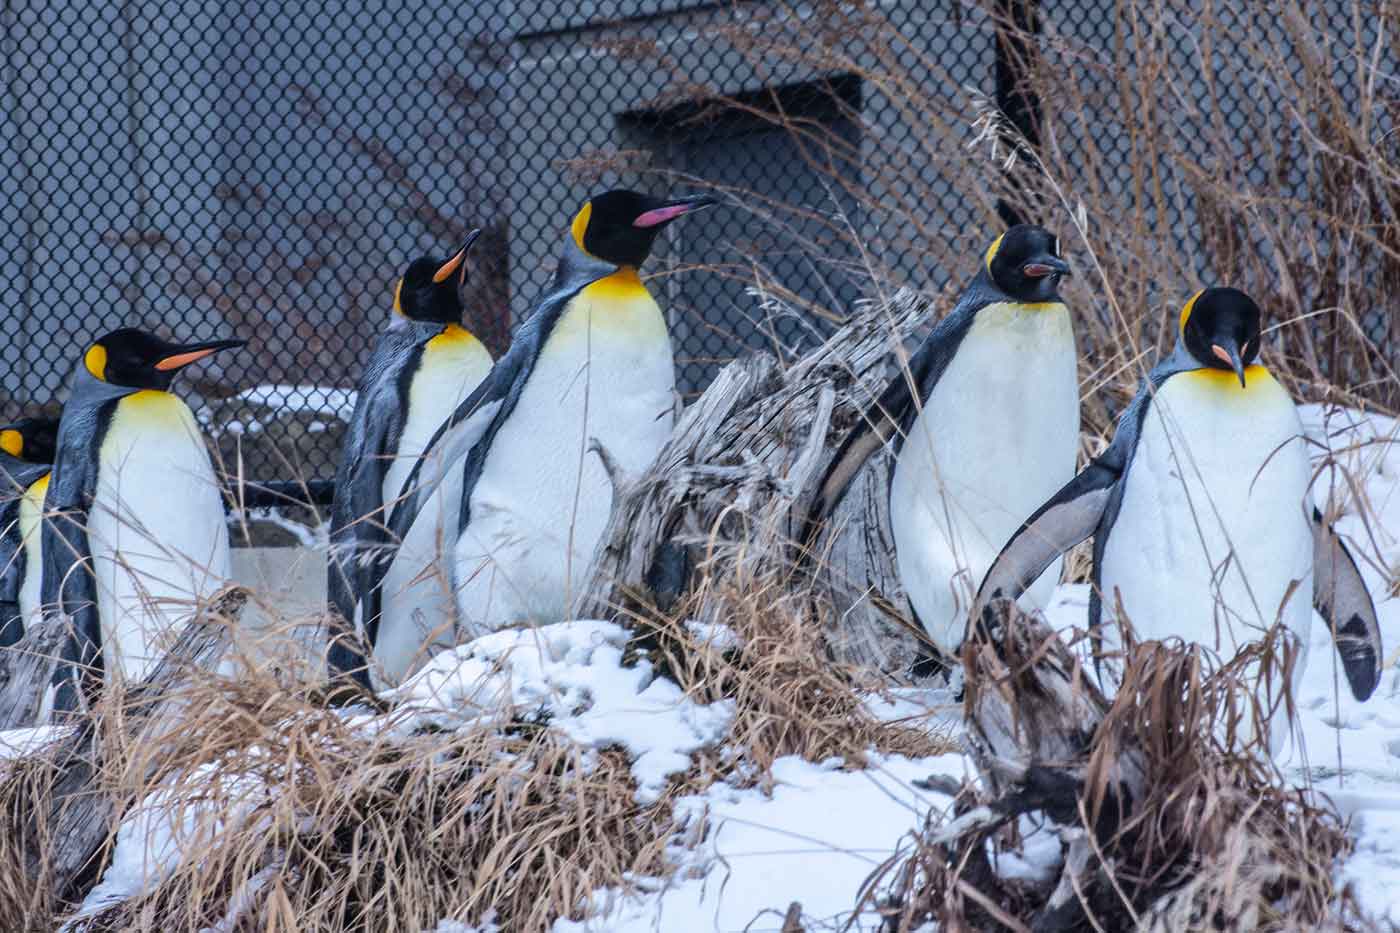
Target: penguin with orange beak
(134,536)
(592,363)
(424,364)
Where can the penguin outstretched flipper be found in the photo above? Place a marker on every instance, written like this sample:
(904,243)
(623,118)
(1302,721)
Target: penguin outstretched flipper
(1340,596)
(1071,516)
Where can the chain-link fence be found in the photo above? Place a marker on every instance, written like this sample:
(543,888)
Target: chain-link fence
(265,168)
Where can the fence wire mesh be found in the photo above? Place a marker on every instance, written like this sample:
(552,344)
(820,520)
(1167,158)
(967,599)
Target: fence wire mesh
(265,168)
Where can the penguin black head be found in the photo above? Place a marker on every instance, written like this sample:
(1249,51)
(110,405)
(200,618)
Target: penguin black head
(138,360)
(620,226)
(1220,327)
(1025,263)
(32,440)
(429,289)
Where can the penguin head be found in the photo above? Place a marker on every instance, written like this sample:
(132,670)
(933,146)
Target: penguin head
(32,440)
(429,289)
(620,226)
(1025,263)
(135,359)
(1220,328)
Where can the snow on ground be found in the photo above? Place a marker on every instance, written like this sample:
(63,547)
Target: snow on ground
(16,743)
(820,831)
(573,672)
(815,840)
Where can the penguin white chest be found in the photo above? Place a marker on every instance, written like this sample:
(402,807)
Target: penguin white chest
(997,436)
(156,529)
(542,501)
(417,608)
(1212,541)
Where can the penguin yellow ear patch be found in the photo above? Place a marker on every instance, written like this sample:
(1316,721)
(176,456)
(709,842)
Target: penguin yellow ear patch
(992,251)
(580,226)
(96,361)
(1186,309)
(12,442)
(398,290)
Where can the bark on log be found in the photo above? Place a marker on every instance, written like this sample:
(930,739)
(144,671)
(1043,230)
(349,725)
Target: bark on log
(735,479)
(68,825)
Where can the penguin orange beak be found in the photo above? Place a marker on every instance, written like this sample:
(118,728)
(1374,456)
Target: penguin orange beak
(1230,354)
(192,352)
(445,270)
(672,209)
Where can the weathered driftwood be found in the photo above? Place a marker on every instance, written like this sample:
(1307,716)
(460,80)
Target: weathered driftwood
(26,669)
(735,479)
(1032,716)
(62,835)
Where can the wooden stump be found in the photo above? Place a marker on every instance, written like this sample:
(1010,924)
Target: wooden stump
(732,487)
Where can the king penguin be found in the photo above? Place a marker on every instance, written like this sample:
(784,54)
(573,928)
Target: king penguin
(592,362)
(26,456)
(984,423)
(134,532)
(423,365)
(1200,509)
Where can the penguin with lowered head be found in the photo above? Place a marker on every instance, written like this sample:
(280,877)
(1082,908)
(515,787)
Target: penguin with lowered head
(1201,511)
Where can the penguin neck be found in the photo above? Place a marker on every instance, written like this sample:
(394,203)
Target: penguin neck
(452,336)
(622,285)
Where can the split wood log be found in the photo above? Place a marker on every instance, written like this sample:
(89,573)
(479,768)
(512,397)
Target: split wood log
(26,670)
(66,827)
(732,486)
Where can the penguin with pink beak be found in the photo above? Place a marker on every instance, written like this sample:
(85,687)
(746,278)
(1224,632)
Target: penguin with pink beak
(593,361)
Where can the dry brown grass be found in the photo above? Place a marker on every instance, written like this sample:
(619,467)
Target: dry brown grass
(290,815)
(773,661)
(1181,145)
(1184,821)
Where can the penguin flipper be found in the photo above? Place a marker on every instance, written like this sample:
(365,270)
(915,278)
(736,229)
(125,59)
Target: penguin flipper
(889,417)
(68,584)
(70,589)
(358,534)
(12,560)
(1340,596)
(1069,517)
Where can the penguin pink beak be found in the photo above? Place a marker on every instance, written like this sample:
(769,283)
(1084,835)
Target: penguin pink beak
(671,210)
(1230,356)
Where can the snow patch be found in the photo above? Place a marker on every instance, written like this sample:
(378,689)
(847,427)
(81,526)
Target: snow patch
(814,840)
(573,673)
